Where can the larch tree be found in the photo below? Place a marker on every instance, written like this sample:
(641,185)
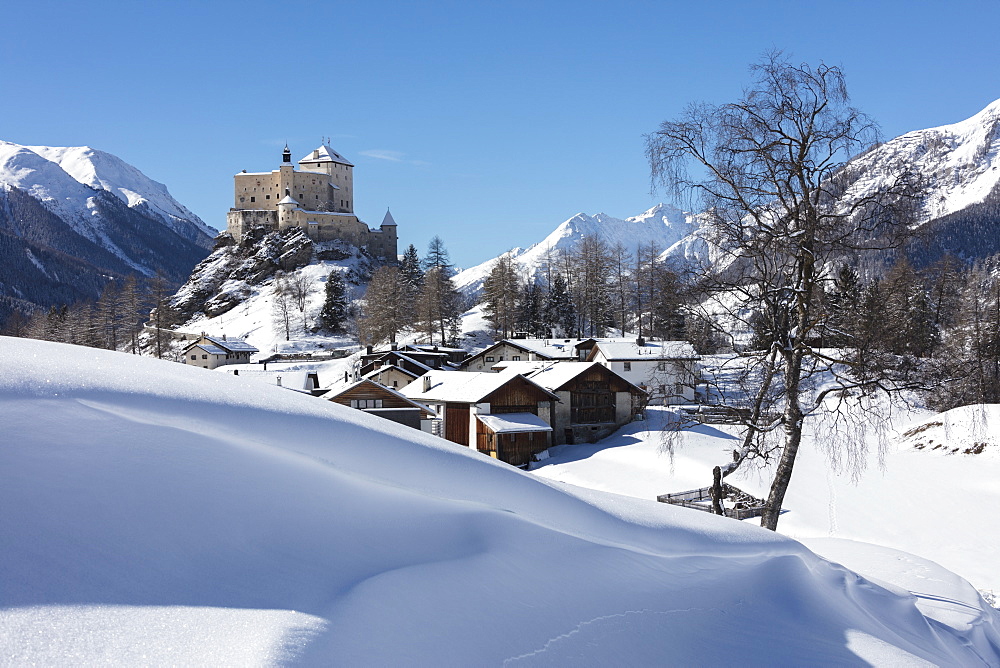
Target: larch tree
(501,290)
(382,315)
(771,170)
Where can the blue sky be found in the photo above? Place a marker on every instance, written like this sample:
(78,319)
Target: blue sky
(485,123)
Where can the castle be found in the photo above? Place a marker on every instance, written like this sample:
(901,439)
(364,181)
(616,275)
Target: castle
(317,199)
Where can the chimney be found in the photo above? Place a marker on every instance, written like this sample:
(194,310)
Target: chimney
(279,381)
(393,346)
(223,337)
(640,341)
(427,383)
(368,350)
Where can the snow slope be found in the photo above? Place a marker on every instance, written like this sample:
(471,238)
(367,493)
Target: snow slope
(939,504)
(959,163)
(662,226)
(155,513)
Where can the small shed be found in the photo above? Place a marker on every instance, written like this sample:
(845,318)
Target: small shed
(511,437)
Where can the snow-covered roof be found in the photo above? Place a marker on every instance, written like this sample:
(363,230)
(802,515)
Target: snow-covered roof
(510,423)
(326,154)
(388,367)
(546,348)
(388,218)
(615,350)
(288,199)
(555,375)
(209,348)
(233,345)
(462,386)
(292,380)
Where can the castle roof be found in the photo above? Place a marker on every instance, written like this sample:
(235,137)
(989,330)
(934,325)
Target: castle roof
(326,154)
(388,219)
(288,199)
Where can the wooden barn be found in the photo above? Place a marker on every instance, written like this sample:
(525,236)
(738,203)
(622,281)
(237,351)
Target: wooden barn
(594,400)
(463,399)
(371,397)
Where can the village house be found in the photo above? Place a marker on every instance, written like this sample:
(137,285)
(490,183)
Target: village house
(209,352)
(318,199)
(522,350)
(503,415)
(373,397)
(392,376)
(594,401)
(667,370)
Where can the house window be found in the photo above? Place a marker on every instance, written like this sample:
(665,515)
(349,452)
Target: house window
(204,357)
(516,358)
(366,403)
(626,366)
(663,389)
(489,359)
(194,357)
(661,366)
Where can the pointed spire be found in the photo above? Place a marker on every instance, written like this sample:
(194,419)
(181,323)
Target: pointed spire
(388,218)
(286,155)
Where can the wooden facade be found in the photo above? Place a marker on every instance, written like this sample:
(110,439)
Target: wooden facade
(371,397)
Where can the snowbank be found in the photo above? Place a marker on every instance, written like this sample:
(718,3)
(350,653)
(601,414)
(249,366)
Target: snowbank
(157,513)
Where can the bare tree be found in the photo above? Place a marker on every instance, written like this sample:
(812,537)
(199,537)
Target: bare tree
(770,169)
(282,303)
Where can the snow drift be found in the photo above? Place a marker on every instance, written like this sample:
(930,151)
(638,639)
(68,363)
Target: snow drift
(158,513)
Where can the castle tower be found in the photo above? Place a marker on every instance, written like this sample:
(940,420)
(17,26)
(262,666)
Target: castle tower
(341,172)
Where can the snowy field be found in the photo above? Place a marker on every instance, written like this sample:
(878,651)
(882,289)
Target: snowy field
(154,514)
(939,503)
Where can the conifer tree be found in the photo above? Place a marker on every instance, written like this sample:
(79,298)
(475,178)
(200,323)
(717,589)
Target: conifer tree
(560,313)
(531,311)
(500,295)
(439,308)
(334,313)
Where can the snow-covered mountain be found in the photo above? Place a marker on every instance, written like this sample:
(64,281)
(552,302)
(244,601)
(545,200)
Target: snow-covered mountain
(72,217)
(662,227)
(960,168)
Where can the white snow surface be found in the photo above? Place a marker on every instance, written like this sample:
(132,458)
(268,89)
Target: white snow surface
(154,513)
(64,178)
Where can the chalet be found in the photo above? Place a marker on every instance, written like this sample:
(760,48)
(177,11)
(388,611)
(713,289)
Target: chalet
(522,350)
(210,352)
(372,397)
(503,415)
(594,401)
(665,369)
(392,376)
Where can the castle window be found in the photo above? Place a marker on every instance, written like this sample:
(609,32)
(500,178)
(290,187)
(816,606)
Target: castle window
(253,199)
(267,197)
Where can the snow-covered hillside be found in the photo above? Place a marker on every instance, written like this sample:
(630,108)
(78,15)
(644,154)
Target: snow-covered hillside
(662,226)
(960,163)
(196,518)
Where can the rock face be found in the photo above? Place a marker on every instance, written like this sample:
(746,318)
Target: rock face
(225,278)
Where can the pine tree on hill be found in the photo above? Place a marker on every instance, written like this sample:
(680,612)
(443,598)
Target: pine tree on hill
(334,312)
